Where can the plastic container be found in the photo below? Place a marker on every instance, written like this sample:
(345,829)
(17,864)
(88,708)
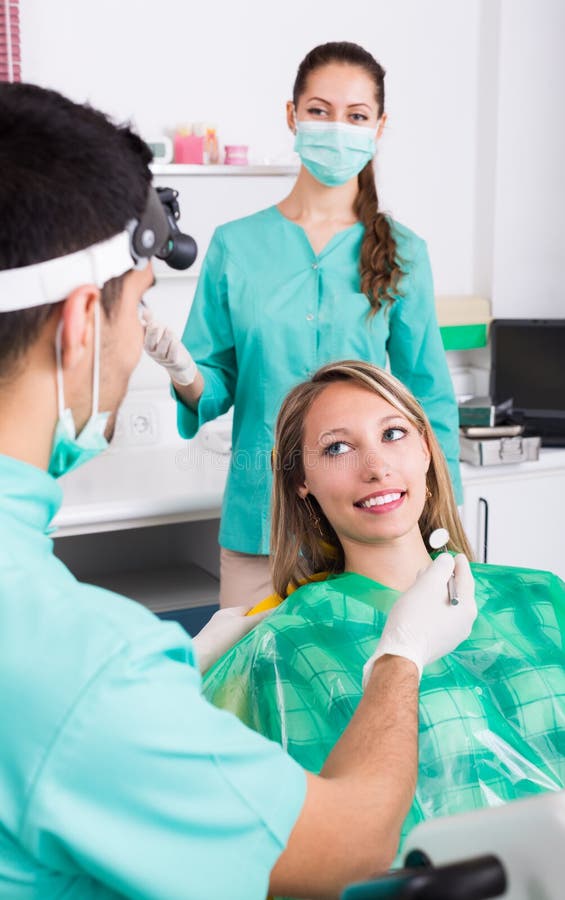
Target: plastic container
(236,155)
(211,146)
(189,148)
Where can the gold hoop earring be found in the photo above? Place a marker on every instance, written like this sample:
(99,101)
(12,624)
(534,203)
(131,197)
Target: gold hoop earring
(313,516)
(428,493)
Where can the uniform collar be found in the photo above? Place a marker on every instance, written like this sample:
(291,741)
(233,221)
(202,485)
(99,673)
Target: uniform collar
(28,494)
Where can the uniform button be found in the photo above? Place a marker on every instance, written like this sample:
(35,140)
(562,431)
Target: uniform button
(314,265)
(309,317)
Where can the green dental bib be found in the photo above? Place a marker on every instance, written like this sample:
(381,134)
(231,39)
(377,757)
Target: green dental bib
(492,713)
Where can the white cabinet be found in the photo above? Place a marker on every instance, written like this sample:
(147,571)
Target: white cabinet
(515,514)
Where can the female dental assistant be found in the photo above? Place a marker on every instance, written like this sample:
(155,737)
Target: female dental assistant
(322,275)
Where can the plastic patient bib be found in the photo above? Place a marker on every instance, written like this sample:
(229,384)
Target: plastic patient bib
(492,713)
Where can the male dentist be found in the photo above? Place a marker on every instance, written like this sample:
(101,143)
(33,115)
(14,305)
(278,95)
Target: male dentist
(117,779)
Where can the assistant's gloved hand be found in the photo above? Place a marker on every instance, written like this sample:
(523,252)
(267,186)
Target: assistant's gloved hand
(162,345)
(422,625)
(225,628)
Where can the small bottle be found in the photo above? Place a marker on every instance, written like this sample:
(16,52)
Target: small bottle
(211,146)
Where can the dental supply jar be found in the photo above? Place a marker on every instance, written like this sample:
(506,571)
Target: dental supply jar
(235,155)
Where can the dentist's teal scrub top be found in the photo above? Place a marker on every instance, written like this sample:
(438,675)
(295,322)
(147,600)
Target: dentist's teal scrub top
(117,779)
(268,312)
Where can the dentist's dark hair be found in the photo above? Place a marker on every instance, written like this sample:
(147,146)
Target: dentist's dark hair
(379,267)
(70,178)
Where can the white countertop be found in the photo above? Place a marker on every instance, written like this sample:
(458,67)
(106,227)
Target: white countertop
(550,459)
(151,476)
(143,486)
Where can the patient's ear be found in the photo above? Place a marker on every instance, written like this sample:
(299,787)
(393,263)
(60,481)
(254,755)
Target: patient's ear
(302,491)
(426,450)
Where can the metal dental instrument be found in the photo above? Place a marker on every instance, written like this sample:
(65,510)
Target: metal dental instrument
(438,540)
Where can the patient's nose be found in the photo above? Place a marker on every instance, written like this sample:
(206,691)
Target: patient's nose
(374,464)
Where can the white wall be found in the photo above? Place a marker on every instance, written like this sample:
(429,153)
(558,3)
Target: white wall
(529,233)
(234,64)
(472,158)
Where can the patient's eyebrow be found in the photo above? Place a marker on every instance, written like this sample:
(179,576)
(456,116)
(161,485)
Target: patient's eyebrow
(332,432)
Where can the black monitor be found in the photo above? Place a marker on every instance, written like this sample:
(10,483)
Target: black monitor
(528,365)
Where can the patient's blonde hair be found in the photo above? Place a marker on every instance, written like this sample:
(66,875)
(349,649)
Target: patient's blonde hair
(301,547)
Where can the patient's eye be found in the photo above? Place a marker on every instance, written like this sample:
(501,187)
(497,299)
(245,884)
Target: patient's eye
(337,448)
(394,434)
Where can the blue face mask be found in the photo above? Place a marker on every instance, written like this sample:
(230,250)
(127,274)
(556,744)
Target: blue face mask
(69,449)
(334,152)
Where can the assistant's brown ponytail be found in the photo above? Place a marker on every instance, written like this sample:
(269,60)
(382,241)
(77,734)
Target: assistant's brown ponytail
(379,267)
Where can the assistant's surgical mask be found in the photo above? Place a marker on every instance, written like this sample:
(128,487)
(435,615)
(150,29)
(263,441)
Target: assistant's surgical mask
(334,152)
(69,449)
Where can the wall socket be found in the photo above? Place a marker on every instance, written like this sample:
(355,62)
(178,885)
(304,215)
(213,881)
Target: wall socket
(137,425)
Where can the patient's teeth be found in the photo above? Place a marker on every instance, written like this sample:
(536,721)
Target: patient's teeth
(380,501)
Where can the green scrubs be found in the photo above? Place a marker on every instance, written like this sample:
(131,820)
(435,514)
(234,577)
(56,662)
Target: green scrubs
(492,713)
(268,312)
(116,778)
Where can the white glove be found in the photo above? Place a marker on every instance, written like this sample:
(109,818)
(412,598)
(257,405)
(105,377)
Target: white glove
(225,628)
(162,345)
(422,625)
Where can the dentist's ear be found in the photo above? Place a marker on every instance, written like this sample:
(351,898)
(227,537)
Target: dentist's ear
(291,116)
(77,329)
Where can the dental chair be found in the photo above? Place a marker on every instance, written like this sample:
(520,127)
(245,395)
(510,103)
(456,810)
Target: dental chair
(474,879)
(515,851)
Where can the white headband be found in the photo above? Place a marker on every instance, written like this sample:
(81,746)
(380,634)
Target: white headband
(55,279)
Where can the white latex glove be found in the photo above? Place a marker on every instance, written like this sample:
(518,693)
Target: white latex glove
(422,625)
(162,345)
(225,628)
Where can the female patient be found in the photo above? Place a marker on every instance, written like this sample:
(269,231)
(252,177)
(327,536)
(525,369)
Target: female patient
(359,485)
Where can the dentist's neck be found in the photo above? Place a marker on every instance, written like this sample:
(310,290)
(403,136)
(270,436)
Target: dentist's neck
(28,406)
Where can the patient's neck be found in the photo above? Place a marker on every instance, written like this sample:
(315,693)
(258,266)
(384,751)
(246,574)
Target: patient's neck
(393,563)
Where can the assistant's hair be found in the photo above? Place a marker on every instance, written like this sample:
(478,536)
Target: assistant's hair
(300,547)
(69,179)
(379,267)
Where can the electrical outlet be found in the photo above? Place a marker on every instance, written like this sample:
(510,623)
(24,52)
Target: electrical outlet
(137,425)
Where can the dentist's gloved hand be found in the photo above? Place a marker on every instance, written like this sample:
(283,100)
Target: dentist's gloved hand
(162,345)
(422,625)
(225,628)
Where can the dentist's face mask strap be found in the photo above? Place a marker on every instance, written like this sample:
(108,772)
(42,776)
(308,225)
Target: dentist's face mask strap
(334,152)
(70,450)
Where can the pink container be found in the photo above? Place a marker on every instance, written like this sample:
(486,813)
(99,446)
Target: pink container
(189,149)
(236,155)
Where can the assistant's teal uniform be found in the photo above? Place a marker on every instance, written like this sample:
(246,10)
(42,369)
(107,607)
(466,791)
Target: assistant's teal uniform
(268,312)
(117,779)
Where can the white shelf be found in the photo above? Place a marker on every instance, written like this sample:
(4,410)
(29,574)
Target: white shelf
(173,169)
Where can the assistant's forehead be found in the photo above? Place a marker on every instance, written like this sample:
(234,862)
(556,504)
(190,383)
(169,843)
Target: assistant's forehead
(340,83)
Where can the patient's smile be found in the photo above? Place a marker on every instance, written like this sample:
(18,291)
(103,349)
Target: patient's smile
(381,501)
